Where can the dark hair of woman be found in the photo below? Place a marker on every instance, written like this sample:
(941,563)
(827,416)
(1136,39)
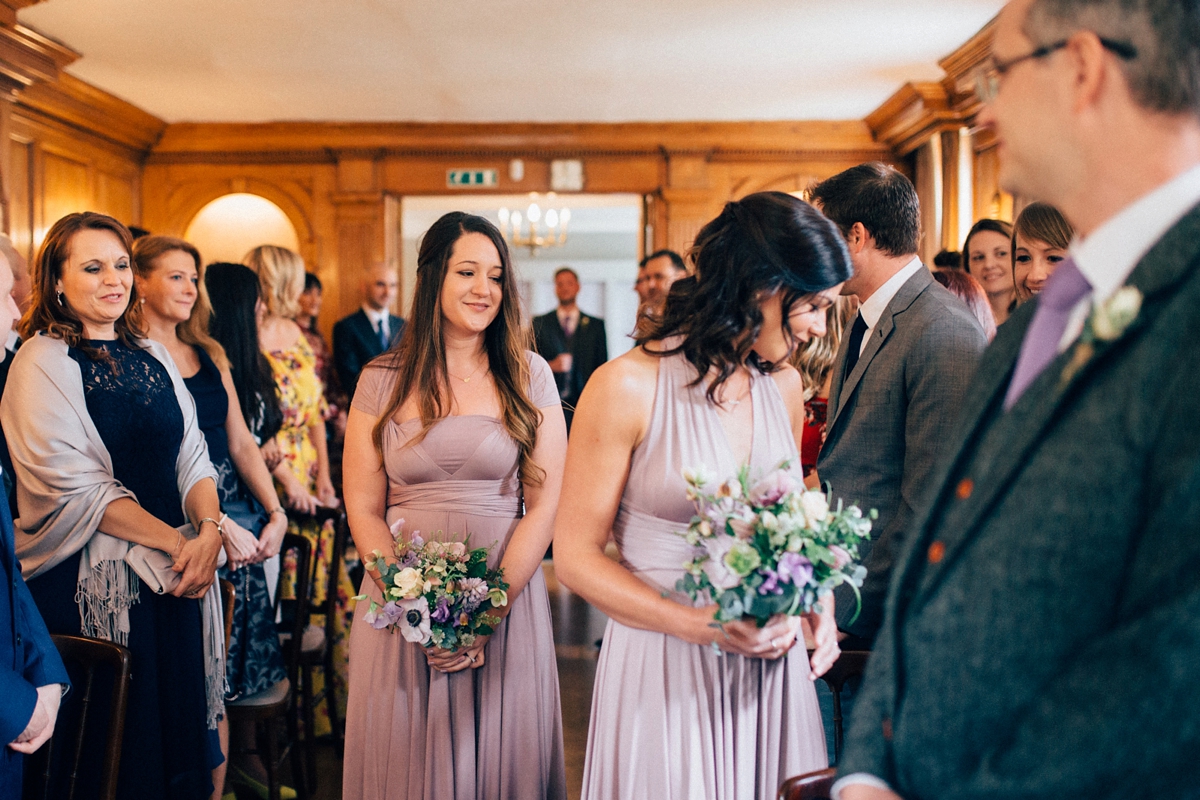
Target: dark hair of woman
(964,286)
(420,356)
(233,291)
(47,313)
(994,225)
(311,281)
(765,243)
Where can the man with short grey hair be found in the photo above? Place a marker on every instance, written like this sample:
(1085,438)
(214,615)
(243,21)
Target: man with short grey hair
(1042,627)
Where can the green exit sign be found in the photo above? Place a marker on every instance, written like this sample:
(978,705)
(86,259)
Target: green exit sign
(456,178)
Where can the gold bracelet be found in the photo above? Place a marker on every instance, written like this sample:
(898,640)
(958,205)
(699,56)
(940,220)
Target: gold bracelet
(200,524)
(178,546)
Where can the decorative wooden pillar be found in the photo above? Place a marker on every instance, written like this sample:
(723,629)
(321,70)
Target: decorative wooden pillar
(688,197)
(360,238)
(26,57)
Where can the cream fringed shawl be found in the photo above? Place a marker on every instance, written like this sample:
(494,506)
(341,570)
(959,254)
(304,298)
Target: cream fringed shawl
(65,479)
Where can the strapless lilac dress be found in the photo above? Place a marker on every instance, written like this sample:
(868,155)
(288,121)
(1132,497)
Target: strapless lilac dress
(413,733)
(677,720)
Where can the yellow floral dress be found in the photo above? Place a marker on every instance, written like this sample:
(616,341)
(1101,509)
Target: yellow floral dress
(301,398)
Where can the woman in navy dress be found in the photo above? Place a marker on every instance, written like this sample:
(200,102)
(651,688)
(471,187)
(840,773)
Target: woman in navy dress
(108,455)
(176,311)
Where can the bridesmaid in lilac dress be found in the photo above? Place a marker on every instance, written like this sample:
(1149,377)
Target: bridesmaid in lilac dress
(456,431)
(672,715)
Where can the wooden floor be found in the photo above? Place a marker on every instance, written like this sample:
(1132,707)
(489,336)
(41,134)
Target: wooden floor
(577,627)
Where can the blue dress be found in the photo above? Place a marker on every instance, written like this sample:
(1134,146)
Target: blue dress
(167,750)
(254,661)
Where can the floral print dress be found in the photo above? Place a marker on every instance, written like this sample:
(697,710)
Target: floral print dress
(301,398)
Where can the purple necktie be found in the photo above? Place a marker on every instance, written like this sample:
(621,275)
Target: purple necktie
(1064,289)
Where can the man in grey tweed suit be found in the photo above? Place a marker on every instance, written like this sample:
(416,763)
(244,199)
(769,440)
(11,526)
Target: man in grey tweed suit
(1042,628)
(900,373)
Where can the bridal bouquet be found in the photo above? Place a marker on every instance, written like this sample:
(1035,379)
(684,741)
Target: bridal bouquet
(437,594)
(771,547)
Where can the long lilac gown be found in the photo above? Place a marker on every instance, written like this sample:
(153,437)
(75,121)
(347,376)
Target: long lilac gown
(493,732)
(677,720)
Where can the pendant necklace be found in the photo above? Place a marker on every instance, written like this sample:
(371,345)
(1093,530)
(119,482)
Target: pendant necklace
(468,378)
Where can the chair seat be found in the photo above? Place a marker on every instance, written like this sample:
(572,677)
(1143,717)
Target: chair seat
(312,642)
(268,698)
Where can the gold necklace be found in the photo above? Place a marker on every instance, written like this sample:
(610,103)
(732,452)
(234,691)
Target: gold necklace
(466,379)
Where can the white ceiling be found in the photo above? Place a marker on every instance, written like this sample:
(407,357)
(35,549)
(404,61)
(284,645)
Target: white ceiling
(507,60)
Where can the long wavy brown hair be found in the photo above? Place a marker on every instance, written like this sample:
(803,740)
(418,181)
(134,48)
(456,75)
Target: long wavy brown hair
(420,355)
(194,331)
(57,319)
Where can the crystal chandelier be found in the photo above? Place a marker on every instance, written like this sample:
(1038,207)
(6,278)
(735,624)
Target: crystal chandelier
(541,228)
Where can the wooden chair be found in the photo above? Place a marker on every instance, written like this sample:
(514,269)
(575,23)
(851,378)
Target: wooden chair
(84,658)
(316,647)
(810,786)
(228,597)
(267,708)
(850,663)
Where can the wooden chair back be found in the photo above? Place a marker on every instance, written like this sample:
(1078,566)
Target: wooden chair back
(228,597)
(810,786)
(55,770)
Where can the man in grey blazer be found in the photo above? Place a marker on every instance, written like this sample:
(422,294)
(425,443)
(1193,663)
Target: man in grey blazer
(1042,633)
(900,373)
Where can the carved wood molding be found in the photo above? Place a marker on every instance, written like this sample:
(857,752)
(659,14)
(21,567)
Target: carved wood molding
(27,57)
(914,114)
(965,65)
(84,107)
(319,141)
(9,9)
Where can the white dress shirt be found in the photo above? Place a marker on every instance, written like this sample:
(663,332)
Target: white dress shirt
(873,307)
(1106,258)
(566,318)
(378,318)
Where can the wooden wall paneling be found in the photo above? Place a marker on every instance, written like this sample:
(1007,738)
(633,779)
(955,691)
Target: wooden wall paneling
(18,180)
(66,187)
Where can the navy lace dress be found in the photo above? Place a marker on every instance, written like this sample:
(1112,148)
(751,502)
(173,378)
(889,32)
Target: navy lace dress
(255,661)
(168,751)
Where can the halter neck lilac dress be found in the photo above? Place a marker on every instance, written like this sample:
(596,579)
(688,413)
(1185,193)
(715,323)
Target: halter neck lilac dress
(491,733)
(677,720)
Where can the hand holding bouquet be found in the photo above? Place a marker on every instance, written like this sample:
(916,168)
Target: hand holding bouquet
(437,594)
(769,548)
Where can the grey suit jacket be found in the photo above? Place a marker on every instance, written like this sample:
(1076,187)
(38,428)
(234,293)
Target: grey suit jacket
(889,419)
(1042,636)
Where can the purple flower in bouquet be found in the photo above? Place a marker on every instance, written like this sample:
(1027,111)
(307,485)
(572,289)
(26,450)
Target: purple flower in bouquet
(794,568)
(414,620)
(474,592)
(718,572)
(770,584)
(771,489)
(441,612)
(380,618)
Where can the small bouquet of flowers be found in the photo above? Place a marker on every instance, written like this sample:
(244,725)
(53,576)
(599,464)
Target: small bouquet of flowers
(437,594)
(771,547)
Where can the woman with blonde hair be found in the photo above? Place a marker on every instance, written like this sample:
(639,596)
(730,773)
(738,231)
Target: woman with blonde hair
(304,472)
(814,361)
(459,432)
(174,305)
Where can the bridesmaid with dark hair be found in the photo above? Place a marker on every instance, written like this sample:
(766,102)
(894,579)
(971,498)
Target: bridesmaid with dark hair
(459,432)
(683,708)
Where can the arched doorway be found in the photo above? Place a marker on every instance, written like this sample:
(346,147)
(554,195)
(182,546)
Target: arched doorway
(232,225)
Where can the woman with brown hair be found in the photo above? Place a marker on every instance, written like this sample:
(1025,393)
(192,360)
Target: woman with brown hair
(459,432)
(986,256)
(176,311)
(814,361)
(111,469)
(1040,240)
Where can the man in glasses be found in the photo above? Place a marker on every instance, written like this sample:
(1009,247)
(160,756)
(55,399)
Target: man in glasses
(1042,633)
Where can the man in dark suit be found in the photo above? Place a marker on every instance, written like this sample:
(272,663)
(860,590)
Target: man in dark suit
(32,675)
(369,331)
(574,343)
(900,375)
(1042,634)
